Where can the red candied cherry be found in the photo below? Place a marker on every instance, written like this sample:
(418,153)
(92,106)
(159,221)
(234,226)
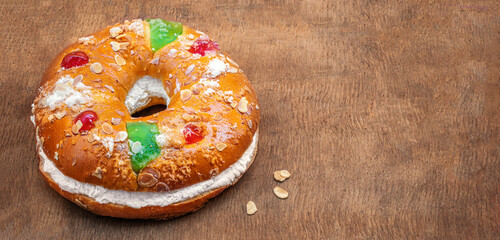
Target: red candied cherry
(204,45)
(192,133)
(74,59)
(87,118)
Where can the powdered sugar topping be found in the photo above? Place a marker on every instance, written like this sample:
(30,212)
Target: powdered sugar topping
(163,140)
(209,92)
(109,143)
(87,40)
(216,67)
(211,83)
(137,26)
(65,92)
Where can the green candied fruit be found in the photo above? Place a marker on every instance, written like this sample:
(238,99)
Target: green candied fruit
(143,153)
(163,32)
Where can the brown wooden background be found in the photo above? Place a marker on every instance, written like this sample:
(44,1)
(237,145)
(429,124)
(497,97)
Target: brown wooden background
(386,114)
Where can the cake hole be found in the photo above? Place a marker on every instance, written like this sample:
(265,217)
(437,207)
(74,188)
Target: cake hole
(146,97)
(149,110)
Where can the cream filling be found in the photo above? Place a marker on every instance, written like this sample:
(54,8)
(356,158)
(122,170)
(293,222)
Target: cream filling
(142,91)
(143,199)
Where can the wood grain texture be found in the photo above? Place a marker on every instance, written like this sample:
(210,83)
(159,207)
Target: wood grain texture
(385,112)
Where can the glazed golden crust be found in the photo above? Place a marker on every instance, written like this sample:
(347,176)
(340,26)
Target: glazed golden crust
(180,165)
(228,113)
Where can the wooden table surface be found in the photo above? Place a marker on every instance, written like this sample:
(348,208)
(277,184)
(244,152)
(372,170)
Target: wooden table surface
(386,114)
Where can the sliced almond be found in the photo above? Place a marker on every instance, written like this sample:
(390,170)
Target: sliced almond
(243,105)
(90,138)
(110,88)
(218,117)
(189,69)
(124,45)
(121,136)
(120,113)
(172,52)
(188,109)
(115,46)
(281,175)
(152,171)
(136,147)
(235,125)
(220,146)
(76,127)
(115,31)
(87,40)
(251,208)
(161,187)
(115,66)
(249,122)
(186,94)
(285,173)
(119,60)
(77,79)
(168,87)
(280,192)
(115,121)
(50,118)
(146,180)
(155,61)
(96,68)
(97,173)
(234,104)
(107,128)
(60,115)
(80,204)
(124,37)
(196,88)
